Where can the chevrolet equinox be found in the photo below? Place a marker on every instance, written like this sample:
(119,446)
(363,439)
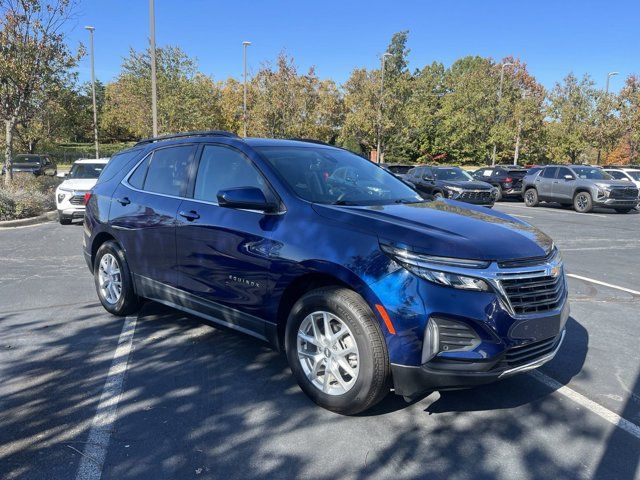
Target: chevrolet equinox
(365,285)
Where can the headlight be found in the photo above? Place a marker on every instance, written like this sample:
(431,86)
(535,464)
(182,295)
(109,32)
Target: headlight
(433,268)
(453,191)
(603,190)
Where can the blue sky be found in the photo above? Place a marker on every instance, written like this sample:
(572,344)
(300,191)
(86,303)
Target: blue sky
(552,37)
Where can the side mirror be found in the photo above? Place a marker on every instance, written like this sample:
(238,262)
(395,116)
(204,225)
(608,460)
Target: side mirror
(247,198)
(61,174)
(569,177)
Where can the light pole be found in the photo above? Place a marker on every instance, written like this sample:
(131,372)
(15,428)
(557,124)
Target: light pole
(152,52)
(606,99)
(383,60)
(245,44)
(93,90)
(507,64)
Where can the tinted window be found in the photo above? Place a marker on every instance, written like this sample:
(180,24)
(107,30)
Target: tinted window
(222,168)
(169,170)
(86,170)
(564,171)
(451,173)
(427,173)
(117,163)
(308,172)
(549,172)
(617,175)
(137,177)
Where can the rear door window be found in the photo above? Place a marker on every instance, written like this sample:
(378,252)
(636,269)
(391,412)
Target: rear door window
(168,171)
(549,172)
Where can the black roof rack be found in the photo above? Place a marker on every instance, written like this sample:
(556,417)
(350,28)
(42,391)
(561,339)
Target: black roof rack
(202,133)
(311,140)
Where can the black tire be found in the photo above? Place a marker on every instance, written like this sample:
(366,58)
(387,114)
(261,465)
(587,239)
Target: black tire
(623,210)
(64,220)
(128,302)
(582,202)
(531,197)
(499,195)
(372,383)
(438,195)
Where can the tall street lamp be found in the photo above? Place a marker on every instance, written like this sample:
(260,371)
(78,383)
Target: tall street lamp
(152,52)
(507,64)
(93,90)
(606,99)
(378,150)
(244,101)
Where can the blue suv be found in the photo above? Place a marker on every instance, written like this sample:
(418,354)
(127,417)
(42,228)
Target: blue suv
(364,284)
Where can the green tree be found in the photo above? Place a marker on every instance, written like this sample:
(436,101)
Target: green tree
(187,99)
(571,113)
(34,60)
(629,107)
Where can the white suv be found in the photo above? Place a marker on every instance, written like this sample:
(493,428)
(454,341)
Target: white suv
(81,178)
(629,174)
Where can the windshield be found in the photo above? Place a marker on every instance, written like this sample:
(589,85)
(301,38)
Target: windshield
(635,174)
(592,173)
(453,174)
(27,159)
(86,170)
(339,177)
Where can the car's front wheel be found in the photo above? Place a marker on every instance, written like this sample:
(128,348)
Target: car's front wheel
(582,202)
(113,280)
(337,351)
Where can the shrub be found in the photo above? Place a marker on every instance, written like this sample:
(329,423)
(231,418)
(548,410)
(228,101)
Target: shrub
(27,196)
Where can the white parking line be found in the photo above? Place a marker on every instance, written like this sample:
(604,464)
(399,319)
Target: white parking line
(554,210)
(604,284)
(95,450)
(590,405)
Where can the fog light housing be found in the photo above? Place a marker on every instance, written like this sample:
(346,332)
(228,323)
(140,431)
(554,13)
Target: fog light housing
(444,335)
(60,197)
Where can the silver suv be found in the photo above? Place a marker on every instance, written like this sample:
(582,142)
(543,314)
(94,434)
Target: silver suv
(582,186)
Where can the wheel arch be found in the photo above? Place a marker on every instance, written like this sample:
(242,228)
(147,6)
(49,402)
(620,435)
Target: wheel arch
(99,239)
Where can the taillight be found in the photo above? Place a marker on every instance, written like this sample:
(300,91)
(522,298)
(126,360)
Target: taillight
(508,180)
(87,197)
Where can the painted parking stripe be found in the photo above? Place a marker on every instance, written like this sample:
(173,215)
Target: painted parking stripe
(602,412)
(604,284)
(95,450)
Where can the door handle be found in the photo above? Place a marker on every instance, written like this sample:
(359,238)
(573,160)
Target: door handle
(556,181)
(123,201)
(190,215)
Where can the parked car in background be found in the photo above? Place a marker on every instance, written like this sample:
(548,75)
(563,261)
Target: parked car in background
(37,164)
(506,178)
(582,186)
(397,169)
(626,174)
(364,284)
(70,193)
(453,183)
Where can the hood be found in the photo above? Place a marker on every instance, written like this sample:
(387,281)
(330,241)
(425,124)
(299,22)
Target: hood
(466,184)
(83,184)
(613,183)
(446,228)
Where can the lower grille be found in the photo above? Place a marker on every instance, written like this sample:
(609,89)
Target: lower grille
(77,200)
(455,336)
(523,354)
(534,294)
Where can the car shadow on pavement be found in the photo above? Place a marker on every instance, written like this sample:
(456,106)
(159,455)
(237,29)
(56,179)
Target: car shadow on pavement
(209,402)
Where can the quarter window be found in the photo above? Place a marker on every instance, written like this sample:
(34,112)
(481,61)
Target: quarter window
(549,172)
(222,168)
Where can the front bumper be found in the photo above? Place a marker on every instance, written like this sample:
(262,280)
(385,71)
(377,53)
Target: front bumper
(411,381)
(616,202)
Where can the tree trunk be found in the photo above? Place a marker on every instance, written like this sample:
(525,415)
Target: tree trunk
(517,152)
(8,151)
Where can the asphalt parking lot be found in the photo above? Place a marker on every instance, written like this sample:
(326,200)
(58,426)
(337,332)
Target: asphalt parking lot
(194,401)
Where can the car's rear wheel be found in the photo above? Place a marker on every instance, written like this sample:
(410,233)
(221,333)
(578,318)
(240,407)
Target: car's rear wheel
(531,197)
(582,202)
(113,280)
(336,350)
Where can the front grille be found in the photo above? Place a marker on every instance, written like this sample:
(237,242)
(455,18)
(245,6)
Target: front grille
(77,200)
(534,294)
(523,354)
(528,262)
(627,193)
(475,195)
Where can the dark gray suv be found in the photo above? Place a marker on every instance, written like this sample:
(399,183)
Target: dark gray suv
(582,186)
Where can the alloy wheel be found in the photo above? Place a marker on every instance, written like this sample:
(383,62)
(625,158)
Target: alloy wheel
(582,201)
(110,278)
(328,353)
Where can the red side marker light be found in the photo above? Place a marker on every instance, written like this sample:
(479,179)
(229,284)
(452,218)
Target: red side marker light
(387,321)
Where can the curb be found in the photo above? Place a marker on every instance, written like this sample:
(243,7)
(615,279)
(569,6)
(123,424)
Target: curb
(45,217)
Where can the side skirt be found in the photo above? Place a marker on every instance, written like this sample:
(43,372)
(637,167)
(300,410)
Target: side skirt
(211,311)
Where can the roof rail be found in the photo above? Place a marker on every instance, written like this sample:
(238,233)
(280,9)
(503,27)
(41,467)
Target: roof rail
(311,140)
(202,133)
